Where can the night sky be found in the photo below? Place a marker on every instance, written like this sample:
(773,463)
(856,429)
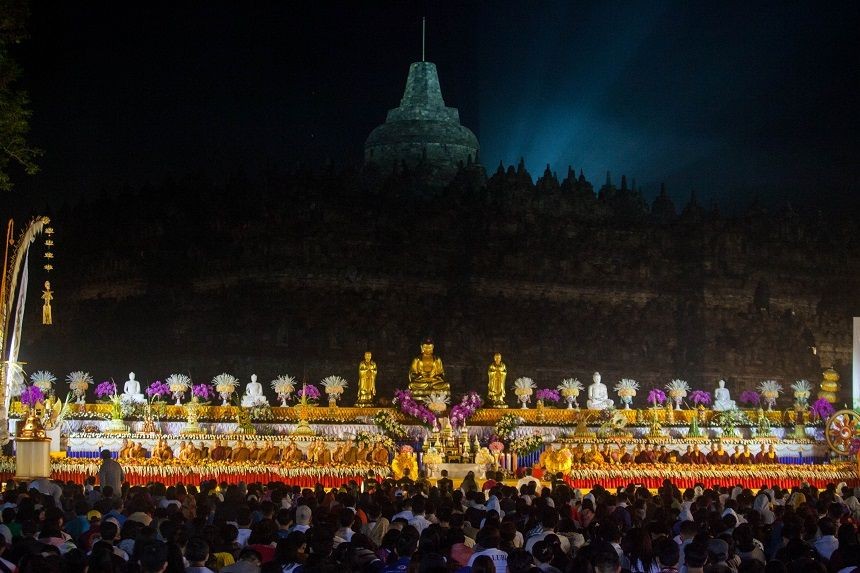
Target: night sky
(728,99)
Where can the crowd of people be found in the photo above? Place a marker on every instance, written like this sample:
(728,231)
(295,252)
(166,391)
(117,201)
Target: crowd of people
(424,527)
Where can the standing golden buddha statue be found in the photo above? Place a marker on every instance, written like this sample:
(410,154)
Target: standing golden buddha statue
(426,374)
(497,373)
(366,381)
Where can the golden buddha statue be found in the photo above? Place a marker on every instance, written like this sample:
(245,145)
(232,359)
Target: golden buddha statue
(497,373)
(366,381)
(426,374)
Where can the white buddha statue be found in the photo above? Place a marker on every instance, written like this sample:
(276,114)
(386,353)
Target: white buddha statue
(722,398)
(131,390)
(254,394)
(598,395)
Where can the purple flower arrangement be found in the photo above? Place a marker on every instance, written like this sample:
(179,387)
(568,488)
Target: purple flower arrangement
(656,396)
(158,390)
(410,407)
(309,391)
(822,409)
(548,395)
(32,395)
(700,397)
(465,409)
(750,397)
(202,391)
(106,389)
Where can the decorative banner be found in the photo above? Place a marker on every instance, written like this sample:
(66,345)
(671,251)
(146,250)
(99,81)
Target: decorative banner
(15,340)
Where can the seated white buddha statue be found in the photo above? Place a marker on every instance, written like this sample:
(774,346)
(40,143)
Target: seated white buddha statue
(722,398)
(254,394)
(131,390)
(598,396)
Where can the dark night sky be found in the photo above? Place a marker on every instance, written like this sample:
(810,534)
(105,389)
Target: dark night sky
(724,98)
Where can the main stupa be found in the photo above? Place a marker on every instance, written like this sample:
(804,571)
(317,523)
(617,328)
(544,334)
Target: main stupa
(422,131)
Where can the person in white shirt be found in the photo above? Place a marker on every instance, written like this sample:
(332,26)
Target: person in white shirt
(487,542)
(827,543)
(549,521)
(527,479)
(405,511)
(418,521)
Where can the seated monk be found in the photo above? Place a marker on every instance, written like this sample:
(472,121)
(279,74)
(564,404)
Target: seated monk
(719,456)
(218,452)
(339,454)
(323,455)
(578,455)
(349,456)
(697,457)
(592,456)
(125,449)
(270,454)
(745,458)
(241,453)
(767,457)
(627,457)
(138,451)
(615,455)
(642,457)
(292,454)
(184,454)
(380,454)
(254,452)
(165,453)
(672,457)
(362,453)
(661,455)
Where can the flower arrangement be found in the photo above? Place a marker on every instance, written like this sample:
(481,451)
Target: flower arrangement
(225,384)
(507,425)
(700,397)
(334,388)
(496,447)
(729,420)
(309,392)
(408,405)
(524,388)
(677,390)
(821,409)
(626,389)
(570,389)
(43,380)
(284,385)
(201,392)
(106,389)
(31,396)
(802,391)
(157,391)
(749,397)
(548,395)
(179,385)
(527,444)
(79,382)
(770,391)
(388,425)
(656,396)
(467,407)
(438,402)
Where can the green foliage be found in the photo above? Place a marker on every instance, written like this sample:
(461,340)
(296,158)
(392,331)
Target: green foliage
(14,103)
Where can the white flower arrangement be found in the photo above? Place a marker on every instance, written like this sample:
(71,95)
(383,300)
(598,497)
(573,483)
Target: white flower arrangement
(627,387)
(438,402)
(179,385)
(79,382)
(225,383)
(334,385)
(802,391)
(43,380)
(570,387)
(284,385)
(524,386)
(677,390)
(770,391)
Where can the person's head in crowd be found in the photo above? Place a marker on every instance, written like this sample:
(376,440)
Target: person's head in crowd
(197,551)
(483,564)
(152,557)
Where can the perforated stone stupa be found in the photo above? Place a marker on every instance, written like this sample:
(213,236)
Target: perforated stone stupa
(422,131)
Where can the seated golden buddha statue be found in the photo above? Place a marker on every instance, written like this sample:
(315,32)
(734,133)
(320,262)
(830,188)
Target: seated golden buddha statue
(426,374)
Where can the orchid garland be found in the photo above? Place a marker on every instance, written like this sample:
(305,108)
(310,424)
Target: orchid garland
(700,397)
(106,389)
(158,390)
(822,409)
(750,397)
(203,391)
(548,395)
(467,407)
(410,407)
(31,396)
(656,396)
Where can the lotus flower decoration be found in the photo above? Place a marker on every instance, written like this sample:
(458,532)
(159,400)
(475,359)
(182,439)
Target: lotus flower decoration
(179,385)
(334,386)
(524,388)
(79,382)
(438,402)
(44,381)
